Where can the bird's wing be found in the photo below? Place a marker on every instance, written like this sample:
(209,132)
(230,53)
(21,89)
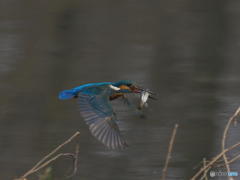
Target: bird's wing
(99,115)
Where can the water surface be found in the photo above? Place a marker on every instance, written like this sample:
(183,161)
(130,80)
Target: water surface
(186,52)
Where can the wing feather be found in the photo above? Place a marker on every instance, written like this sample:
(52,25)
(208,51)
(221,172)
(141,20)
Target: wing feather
(98,115)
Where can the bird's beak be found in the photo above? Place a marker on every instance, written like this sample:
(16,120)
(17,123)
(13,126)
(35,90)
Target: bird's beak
(135,89)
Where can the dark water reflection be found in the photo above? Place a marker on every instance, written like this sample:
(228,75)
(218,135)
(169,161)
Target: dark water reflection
(187,52)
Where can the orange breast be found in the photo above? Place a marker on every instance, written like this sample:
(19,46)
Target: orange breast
(115,96)
(124,87)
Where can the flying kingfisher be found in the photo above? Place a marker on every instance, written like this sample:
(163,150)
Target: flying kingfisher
(94,103)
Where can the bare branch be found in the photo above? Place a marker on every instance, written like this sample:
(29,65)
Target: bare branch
(170,147)
(214,160)
(75,162)
(230,121)
(206,170)
(43,162)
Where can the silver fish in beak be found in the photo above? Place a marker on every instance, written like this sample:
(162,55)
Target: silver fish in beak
(143,99)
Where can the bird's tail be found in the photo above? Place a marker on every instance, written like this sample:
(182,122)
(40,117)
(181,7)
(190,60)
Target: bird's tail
(67,94)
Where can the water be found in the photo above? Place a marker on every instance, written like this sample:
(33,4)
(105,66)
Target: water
(186,52)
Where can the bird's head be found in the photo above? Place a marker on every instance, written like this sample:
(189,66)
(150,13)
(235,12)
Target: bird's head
(127,86)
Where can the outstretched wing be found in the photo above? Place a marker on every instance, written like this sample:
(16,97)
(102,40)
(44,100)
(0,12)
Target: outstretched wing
(99,116)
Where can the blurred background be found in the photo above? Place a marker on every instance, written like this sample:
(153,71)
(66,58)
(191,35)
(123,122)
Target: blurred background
(186,51)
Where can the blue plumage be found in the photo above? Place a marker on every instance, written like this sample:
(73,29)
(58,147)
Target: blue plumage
(95,107)
(67,94)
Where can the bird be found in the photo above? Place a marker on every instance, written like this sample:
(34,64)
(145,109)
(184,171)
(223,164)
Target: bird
(95,108)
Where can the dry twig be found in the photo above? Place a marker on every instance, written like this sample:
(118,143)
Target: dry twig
(170,147)
(75,161)
(230,121)
(45,160)
(205,171)
(214,160)
(234,159)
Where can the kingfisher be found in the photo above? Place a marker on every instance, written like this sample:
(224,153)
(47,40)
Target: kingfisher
(96,109)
